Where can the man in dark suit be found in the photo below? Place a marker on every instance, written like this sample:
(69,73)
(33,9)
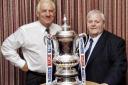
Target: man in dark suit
(106,63)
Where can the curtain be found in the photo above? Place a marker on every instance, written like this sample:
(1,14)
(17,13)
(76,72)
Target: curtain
(14,13)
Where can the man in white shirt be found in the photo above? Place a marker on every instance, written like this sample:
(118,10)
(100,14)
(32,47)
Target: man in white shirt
(30,38)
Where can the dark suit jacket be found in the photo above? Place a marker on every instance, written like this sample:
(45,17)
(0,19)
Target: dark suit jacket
(107,63)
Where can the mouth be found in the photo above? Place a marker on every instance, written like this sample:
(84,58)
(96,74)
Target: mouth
(93,28)
(49,19)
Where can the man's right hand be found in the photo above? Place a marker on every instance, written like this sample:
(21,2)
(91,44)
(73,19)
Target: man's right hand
(25,68)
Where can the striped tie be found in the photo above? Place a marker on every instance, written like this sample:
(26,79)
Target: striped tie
(89,49)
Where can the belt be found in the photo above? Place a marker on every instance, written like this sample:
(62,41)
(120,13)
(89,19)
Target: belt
(37,73)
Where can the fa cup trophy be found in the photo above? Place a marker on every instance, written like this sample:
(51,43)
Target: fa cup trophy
(66,59)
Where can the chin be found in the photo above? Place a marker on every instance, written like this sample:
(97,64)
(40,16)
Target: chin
(93,34)
(49,22)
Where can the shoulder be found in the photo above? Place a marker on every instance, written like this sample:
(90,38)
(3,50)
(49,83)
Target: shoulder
(56,27)
(29,27)
(112,38)
(31,24)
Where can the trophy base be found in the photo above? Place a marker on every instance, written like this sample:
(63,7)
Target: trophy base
(67,81)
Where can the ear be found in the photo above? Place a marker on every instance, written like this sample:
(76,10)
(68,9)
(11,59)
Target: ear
(37,14)
(104,25)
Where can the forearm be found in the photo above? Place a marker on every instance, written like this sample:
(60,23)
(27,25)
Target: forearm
(13,57)
(9,51)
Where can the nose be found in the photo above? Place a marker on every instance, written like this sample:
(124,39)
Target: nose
(93,24)
(47,13)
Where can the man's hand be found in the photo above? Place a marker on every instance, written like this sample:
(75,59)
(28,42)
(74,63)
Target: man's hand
(25,68)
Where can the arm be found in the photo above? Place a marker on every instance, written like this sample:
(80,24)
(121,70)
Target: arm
(118,66)
(10,46)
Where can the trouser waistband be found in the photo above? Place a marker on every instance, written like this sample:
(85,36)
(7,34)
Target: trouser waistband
(37,73)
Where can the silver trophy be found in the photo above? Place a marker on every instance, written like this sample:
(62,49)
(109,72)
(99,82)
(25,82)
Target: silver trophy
(66,59)
(68,54)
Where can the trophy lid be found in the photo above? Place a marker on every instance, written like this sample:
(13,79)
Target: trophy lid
(65,25)
(65,33)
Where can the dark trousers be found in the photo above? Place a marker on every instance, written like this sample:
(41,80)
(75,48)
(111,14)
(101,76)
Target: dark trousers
(34,78)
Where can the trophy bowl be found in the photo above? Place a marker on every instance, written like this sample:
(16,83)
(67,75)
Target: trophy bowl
(65,59)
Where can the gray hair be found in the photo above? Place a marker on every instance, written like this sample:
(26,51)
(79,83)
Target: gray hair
(96,12)
(45,1)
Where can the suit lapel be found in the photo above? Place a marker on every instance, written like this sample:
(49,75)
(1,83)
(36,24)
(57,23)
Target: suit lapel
(98,47)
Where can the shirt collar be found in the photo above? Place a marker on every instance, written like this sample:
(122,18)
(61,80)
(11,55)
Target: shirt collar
(43,27)
(95,39)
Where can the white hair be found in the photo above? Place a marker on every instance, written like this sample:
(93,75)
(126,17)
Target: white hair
(96,12)
(45,1)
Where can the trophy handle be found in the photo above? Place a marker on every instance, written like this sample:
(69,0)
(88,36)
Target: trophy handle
(76,42)
(56,46)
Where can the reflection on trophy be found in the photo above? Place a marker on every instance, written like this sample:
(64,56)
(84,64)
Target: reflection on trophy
(66,59)
(66,74)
